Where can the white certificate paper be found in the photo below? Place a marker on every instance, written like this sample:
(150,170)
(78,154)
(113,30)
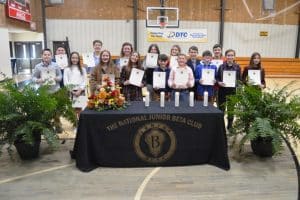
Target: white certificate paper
(208,76)
(217,62)
(229,78)
(136,77)
(254,77)
(151,60)
(123,62)
(181,77)
(111,78)
(173,62)
(79,102)
(88,59)
(48,75)
(62,60)
(159,79)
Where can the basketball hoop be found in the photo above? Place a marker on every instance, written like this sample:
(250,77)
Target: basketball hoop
(162,25)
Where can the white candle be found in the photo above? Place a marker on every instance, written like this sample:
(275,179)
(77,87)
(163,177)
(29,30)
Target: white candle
(191,99)
(147,99)
(176,99)
(205,99)
(162,99)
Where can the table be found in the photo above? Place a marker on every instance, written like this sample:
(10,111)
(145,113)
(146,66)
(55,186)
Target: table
(142,136)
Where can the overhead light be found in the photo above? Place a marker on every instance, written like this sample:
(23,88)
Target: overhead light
(269,4)
(55,2)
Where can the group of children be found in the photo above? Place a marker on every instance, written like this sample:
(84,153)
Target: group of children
(186,75)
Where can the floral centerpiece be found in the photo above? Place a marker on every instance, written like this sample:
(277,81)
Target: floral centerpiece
(108,97)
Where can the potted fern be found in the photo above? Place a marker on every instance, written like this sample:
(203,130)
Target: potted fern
(27,114)
(264,118)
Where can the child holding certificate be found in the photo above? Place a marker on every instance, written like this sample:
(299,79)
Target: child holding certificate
(61,59)
(75,80)
(105,66)
(47,72)
(175,50)
(205,77)
(160,78)
(126,51)
(149,63)
(132,83)
(254,73)
(228,75)
(181,79)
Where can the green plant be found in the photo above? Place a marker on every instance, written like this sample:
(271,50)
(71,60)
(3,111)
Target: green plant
(265,114)
(28,111)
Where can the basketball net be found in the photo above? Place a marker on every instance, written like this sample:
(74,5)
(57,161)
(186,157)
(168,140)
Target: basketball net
(162,25)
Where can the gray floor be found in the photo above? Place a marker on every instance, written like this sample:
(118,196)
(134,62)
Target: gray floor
(54,176)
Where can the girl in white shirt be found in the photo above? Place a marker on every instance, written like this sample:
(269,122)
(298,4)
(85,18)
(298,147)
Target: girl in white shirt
(75,78)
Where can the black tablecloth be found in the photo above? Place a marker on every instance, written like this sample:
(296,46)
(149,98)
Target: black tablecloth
(151,136)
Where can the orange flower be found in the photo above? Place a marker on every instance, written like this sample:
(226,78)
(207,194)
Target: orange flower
(102,95)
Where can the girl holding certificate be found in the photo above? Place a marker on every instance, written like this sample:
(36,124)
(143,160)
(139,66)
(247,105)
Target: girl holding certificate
(228,75)
(132,83)
(181,78)
(160,78)
(75,79)
(126,51)
(150,62)
(254,73)
(105,66)
(175,50)
(205,77)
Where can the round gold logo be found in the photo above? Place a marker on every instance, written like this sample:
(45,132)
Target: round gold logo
(155,142)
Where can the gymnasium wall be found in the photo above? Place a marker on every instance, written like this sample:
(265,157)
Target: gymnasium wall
(111,22)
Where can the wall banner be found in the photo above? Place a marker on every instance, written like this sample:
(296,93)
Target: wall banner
(176,35)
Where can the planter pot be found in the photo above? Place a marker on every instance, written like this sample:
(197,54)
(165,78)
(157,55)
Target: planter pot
(262,147)
(27,151)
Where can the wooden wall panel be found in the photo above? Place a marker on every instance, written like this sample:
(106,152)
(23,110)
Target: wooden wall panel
(194,10)
(2,16)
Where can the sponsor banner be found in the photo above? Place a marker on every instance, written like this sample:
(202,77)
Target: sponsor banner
(176,35)
(19,9)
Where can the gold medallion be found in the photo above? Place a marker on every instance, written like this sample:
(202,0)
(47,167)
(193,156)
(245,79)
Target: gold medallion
(155,142)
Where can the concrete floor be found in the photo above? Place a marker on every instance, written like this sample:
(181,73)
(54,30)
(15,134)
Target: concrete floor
(54,176)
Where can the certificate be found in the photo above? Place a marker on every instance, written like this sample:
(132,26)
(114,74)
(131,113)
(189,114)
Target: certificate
(48,75)
(181,77)
(159,79)
(173,62)
(79,102)
(217,62)
(62,60)
(88,59)
(208,76)
(136,77)
(151,60)
(254,77)
(111,78)
(123,62)
(229,78)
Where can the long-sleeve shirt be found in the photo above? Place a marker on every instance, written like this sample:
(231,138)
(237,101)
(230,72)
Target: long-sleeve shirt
(73,77)
(202,88)
(190,80)
(226,67)
(96,76)
(42,68)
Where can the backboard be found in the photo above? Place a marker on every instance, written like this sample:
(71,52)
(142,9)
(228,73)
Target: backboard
(162,17)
